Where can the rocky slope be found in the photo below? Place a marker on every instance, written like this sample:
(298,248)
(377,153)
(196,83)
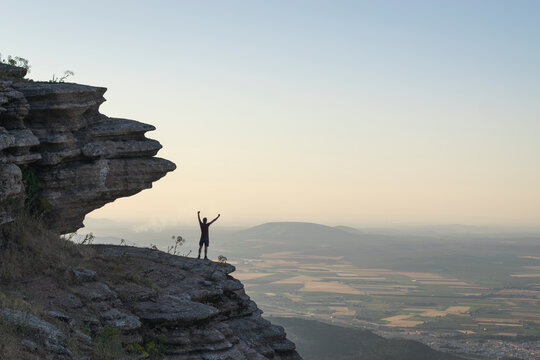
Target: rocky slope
(170,307)
(64,157)
(60,159)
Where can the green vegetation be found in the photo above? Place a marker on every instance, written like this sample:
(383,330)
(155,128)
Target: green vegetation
(25,64)
(33,205)
(151,350)
(14,61)
(107,344)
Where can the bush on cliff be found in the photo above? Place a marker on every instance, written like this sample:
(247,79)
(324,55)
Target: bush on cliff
(13,67)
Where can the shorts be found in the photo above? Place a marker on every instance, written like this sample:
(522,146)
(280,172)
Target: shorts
(204,240)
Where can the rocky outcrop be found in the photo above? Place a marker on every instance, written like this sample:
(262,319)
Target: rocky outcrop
(61,158)
(66,159)
(182,308)
(46,334)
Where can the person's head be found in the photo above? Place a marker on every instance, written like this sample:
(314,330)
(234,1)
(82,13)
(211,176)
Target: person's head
(204,220)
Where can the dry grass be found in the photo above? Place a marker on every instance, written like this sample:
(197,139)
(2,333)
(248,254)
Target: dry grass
(330,287)
(436,282)
(300,279)
(531,257)
(342,311)
(11,334)
(525,315)
(10,340)
(355,278)
(497,320)
(250,276)
(422,276)
(452,310)
(401,321)
(31,250)
(525,275)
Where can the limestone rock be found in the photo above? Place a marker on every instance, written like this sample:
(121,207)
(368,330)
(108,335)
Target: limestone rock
(189,317)
(174,310)
(82,159)
(55,143)
(84,275)
(41,331)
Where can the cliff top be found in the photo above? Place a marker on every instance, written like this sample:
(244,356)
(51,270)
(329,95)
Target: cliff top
(61,300)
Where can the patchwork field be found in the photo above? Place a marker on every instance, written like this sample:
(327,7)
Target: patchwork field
(292,284)
(454,288)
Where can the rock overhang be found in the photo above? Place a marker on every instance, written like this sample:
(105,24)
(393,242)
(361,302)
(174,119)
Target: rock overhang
(80,158)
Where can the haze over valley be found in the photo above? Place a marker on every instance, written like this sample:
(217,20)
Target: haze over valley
(464,289)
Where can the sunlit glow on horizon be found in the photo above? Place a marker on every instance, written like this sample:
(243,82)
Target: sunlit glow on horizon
(344,114)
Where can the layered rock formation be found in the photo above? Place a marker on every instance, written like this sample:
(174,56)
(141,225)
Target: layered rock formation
(174,307)
(72,158)
(60,159)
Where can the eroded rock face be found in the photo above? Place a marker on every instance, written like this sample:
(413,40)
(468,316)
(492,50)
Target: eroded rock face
(81,159)
(190,309)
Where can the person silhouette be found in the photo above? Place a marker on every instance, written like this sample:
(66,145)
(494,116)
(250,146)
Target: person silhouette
(205,239)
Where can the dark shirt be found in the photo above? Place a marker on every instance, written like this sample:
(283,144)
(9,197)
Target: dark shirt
(204,229)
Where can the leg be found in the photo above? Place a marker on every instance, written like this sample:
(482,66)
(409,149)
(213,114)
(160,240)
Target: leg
(200,248)
(206,251)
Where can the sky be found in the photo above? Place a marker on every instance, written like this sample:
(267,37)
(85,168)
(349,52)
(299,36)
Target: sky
(337,112)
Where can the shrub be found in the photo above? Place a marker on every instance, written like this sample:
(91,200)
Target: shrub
(107,344)
(62,78)
(16,61)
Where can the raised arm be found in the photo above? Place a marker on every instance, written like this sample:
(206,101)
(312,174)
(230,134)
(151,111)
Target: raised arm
(199,216)
(217,217)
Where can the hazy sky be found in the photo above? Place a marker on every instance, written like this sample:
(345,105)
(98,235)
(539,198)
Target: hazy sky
(339,112)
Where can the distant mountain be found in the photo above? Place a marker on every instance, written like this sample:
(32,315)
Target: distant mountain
(307,239)
(349,229)
(319,341)
(296,231)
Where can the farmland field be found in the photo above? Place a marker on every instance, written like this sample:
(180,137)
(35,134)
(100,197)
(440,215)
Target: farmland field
(461,291)
(344,293)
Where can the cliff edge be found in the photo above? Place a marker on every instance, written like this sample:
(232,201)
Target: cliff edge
(61,158)
(132,303)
